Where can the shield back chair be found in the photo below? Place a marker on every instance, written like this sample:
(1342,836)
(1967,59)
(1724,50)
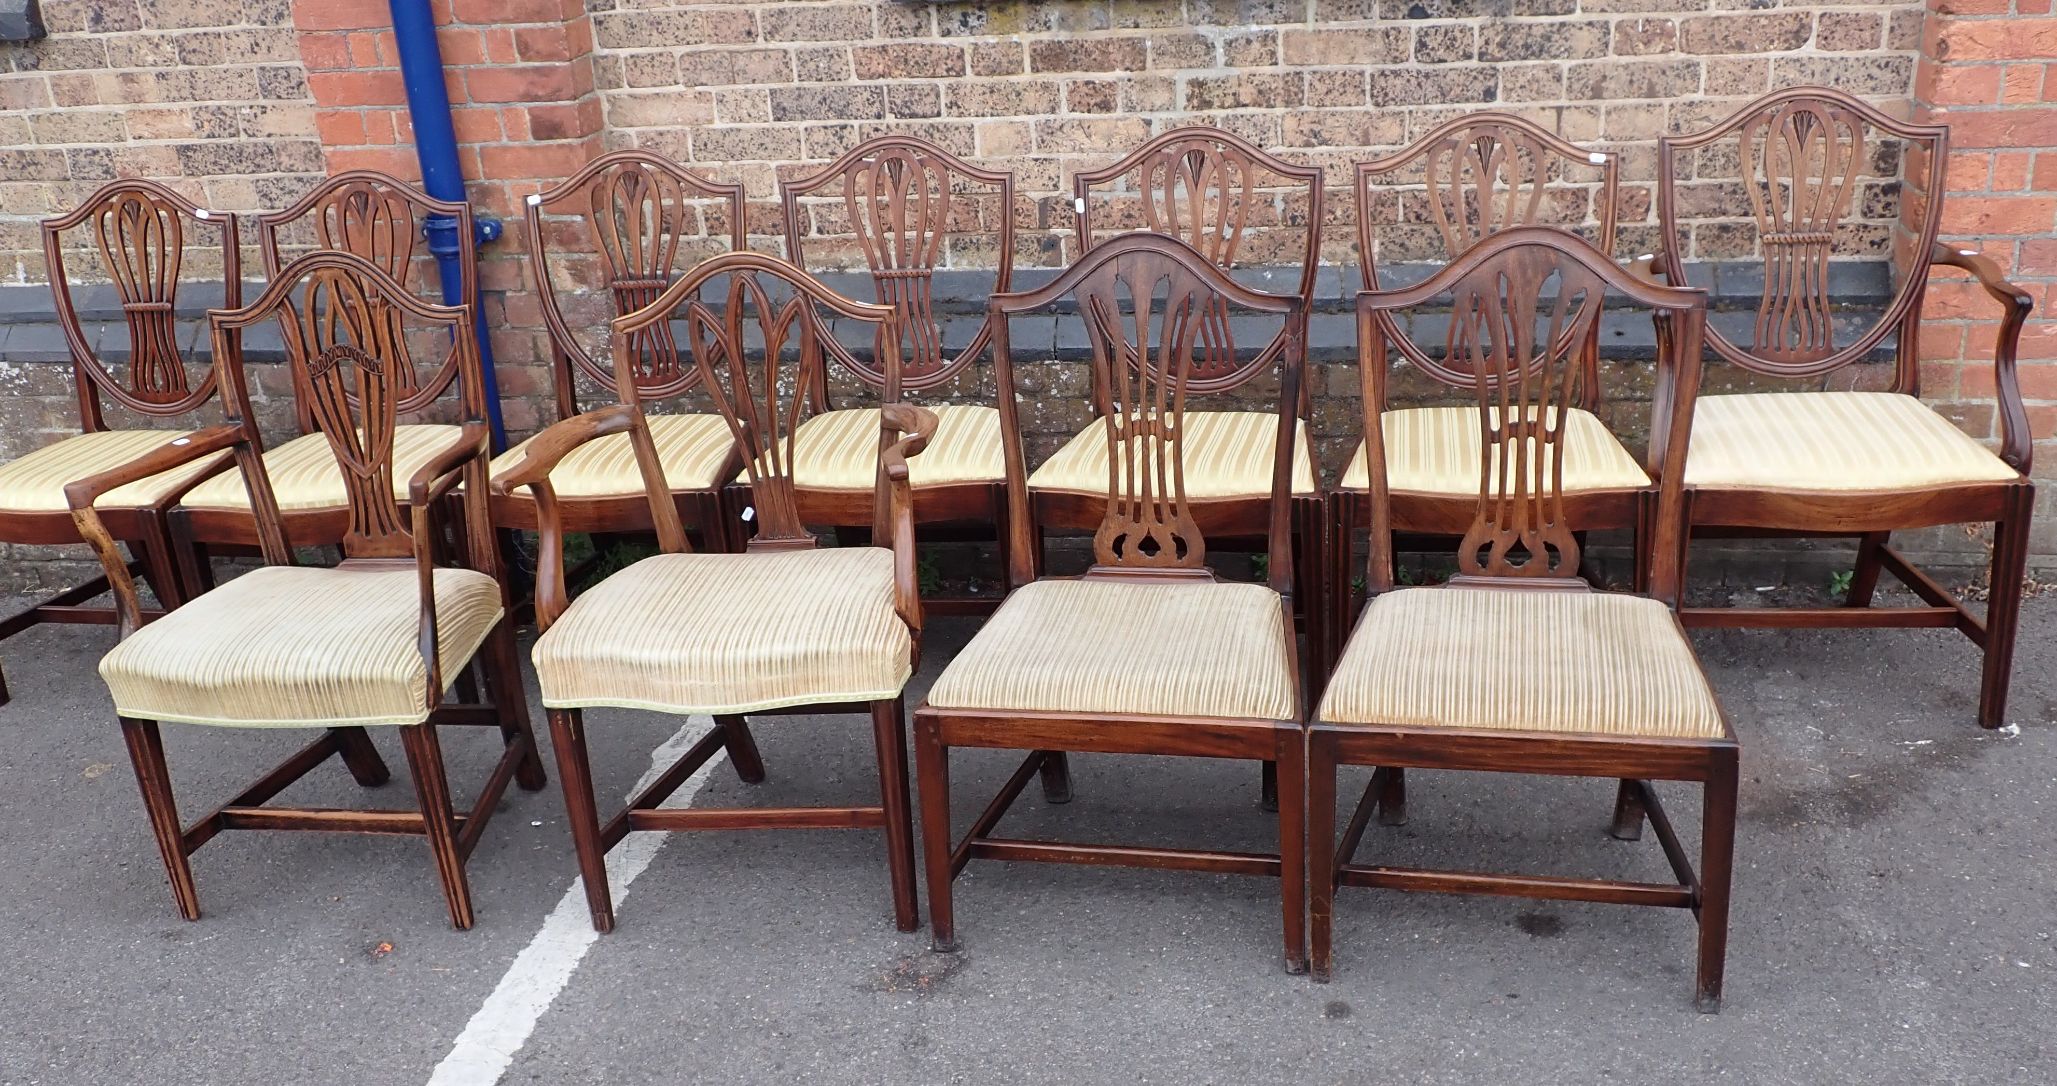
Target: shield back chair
(1239,206)
(783,627)
(629,222)
(379,219)
(1517,665)
(912,207)
(1147,653)
(1467,180)
(1826,461)
(372,642)
(142,237)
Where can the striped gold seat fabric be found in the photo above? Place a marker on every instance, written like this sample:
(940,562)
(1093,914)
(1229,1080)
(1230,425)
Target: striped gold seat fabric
(304,474)
(1831,442)
(1435,450)
(1228,454)
(297,646)
(1527,660)
(731,633)
(839,450)
(35,483)
(1186,649)
(691,448)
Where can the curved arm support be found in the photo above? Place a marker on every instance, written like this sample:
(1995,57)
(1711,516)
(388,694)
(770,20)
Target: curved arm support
(425,490)
(907,429)
(2017,442)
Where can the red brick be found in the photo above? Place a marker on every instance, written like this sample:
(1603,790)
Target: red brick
(341,14)
(525,83)
(381,88)
(1986,215)
(1998,39)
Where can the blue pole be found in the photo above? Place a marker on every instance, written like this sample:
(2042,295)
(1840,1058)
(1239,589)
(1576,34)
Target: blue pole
(435,144)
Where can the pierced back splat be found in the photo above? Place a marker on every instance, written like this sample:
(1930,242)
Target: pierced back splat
(903,198)
(641,216)
(1804,156)
(139,230)
(758,349)
(1209,188)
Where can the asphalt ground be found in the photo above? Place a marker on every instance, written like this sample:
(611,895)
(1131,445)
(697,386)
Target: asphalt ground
(1893,916)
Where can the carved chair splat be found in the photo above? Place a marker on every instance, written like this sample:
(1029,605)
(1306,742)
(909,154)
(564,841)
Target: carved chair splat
(1595,684)
(257,652)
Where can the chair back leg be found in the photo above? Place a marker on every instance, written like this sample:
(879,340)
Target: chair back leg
(503,679)
(360,757)
(742,748)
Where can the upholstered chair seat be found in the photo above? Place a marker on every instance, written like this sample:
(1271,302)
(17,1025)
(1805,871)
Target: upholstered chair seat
(1832,442)
(304,475)
(300,646)
(1435,450)
(1228,454)
(731,633)
(35,482)
(839,450)
(1545,660)
(691,448)
(1179,649)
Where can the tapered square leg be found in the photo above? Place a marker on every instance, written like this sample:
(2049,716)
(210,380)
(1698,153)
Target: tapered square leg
(890,733)
(742,749)
(1717,864)
(932,770)
(432,788)
(146,752)
(1292,845)
(1321,854)
(568,737)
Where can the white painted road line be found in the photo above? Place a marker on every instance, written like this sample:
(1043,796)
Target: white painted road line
(486,1048)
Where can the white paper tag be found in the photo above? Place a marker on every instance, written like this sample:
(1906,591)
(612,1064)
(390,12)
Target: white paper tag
(749,513)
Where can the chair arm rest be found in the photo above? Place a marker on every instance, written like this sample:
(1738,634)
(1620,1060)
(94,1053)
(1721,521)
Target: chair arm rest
(543,451)
(82,493)
(2017,442)
(442,469)
(906,431)
(1649,268)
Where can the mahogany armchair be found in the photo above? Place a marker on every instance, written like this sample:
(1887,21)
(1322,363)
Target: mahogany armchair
(373,642)
(630,222)
(380,220)
(908,202)
(1517,665)
(1148,653)
(1466,181)
(142,236)
(783,627)
(1832,462)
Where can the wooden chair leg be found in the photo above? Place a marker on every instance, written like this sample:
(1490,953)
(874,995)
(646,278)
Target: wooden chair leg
(160,568)
(432,789)
(1292,846)
(146,752)
(2003,609)
(503,677)
(1717,864)
(932,767)
(1321,855)
(1628,813)
(1864,578)
(1000,529)
(1391,786)
(742,748)
(889,732)
(1267,787)
(568,738)
(195,563)
(1056,777)
(360,757)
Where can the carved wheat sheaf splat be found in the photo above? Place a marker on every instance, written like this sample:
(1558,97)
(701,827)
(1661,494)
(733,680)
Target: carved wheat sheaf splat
(1143,316)
(760,385)
(1481,181)
(898,201)
(343,336)
(142,242)
(1800,162)
(1516,322)
(636,216)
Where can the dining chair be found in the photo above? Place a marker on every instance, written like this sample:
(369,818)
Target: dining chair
(783,627)
(1419,208)
(626,225)
(914,210)
(1148,652)
(1517,665)
(373,642)
(145,240)
(1844,462)
(380,220)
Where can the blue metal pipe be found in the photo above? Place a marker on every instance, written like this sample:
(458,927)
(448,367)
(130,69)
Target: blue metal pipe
(435,145)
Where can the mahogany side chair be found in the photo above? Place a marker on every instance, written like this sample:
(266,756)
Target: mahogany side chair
(1517,665)
(1467,180)
(143,238)
(628,222)
(1238,206)
(1148,652)
(1829,461)
(379,219)
(372,642)
(784,627)
(911,206)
